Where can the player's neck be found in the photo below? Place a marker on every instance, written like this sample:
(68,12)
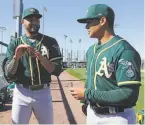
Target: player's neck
(30,35)
(106,37)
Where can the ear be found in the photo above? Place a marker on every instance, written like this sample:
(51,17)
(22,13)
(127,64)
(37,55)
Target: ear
(103,21)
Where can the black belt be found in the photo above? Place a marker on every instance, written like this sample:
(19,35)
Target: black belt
(35,87)
(106,110)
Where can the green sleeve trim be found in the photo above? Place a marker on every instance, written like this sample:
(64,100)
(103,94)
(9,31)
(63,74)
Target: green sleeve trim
(129,83)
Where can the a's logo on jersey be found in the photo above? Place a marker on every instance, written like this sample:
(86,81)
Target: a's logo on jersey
(44,51)
(105,68)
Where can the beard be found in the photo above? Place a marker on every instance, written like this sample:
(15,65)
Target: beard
(33,29)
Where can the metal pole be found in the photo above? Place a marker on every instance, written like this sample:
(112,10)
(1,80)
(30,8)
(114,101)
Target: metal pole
(43,20)
(72,53)
(18,10)
(67,55)
(65,36)
(71,49)
(80,50)
(2,41)
(77,55)
(22,6)
(44,9)
(65,49)
(62,52)
(17,26)
(2,30)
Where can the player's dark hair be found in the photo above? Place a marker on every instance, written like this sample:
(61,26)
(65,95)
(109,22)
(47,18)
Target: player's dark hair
(110,23)
(110,18)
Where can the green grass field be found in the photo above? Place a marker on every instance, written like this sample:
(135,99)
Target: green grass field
(80,74)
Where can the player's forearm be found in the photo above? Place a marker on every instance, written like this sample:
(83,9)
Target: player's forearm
(11,67)
(58,69)
(48,65)
(120,97)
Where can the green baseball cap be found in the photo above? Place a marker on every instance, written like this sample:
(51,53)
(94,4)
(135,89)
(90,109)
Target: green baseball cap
(31,12)
(97,11)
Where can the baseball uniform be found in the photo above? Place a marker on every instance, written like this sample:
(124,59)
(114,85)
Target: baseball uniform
(111,67)
(113,71)
(32,91)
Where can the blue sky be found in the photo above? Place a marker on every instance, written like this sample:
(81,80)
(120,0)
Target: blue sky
(60,19)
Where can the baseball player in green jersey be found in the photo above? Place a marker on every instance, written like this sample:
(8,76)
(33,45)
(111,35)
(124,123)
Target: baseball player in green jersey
(31,60)
(113,72)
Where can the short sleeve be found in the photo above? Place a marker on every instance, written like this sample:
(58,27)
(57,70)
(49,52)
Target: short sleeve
(11,50)
(55,54)
(56,57)
(128,68)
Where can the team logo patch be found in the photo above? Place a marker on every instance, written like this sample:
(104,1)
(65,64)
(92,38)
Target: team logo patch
(128,66)
(32,10)
(44,51)
(130,73)
(100,14)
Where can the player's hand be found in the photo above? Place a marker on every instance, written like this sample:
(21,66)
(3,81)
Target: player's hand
(20,50)
(77,93)
(38,54)
(31,51)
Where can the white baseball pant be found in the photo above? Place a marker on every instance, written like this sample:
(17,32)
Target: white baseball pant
(25,101)
(121,118)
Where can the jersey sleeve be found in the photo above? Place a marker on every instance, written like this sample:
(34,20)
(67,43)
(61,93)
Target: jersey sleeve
(56,57)
(55,54)
(128,68)
(11,50)
(9,55)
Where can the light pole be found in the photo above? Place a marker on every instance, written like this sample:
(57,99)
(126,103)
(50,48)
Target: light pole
(2,29)
(65,36)
(80,48)
(44,9)
(17,14)
(71,49)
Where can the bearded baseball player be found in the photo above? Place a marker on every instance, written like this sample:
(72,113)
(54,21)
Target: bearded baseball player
(31,60)
(113,72)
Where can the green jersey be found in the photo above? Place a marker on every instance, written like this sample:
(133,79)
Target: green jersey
(30,68)
(111,68)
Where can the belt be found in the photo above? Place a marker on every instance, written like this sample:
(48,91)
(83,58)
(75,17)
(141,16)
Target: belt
(106,110)
(35,87)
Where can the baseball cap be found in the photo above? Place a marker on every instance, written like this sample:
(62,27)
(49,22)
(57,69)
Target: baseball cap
(30,12)
(97,11)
